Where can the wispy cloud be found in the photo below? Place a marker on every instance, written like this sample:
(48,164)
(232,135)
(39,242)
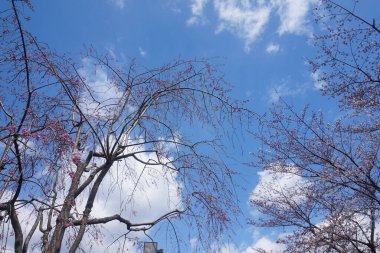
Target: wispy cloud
(284,90)
(142,51)
(173,5)
(197,8)
(242,19)
(293,15)
(248,19)
(272,48)
(263,244)
(119,3)
(317,82)
(101,95)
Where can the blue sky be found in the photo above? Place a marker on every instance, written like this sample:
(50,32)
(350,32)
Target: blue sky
(258,64)
(261,45)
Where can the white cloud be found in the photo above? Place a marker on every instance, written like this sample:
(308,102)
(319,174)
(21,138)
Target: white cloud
(193,243)
(142,51)
(277,182)
(138,193)
(101,95)
(318,83)
(272,48)
(265,244)
(197,8)
(293,15)
(111,52)
(262,243)
(119,3)
(141,193)
(247,19)
(283,90)
(244,20)
(174,6)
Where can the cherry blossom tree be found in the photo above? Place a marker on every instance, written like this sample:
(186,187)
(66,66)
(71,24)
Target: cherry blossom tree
(321,179)
(84,144)
(347,65)
(324,183)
